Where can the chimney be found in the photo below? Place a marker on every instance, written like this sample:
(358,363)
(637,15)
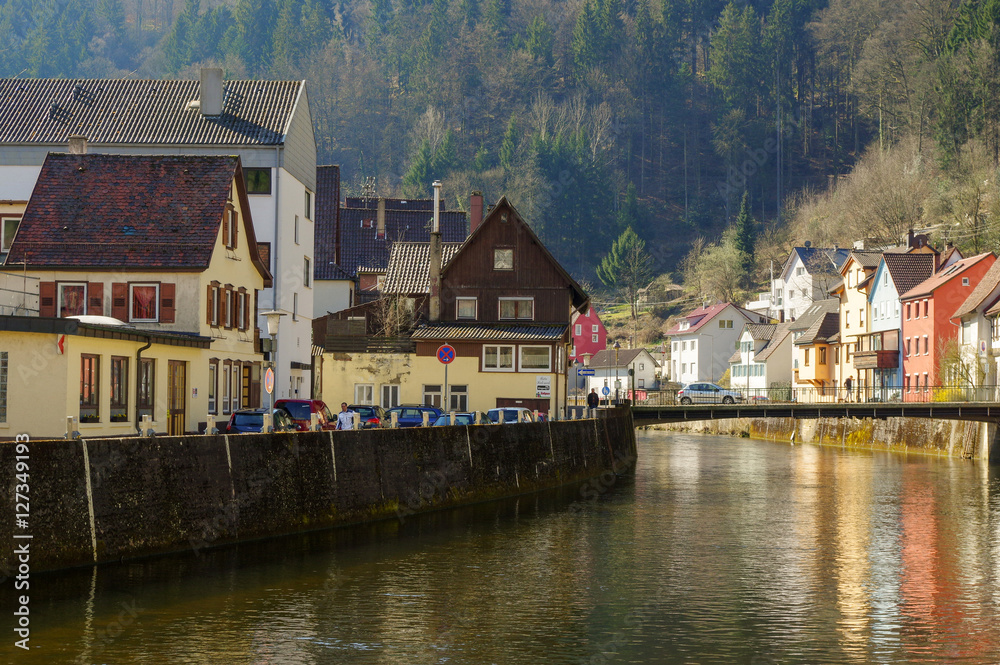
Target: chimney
(77,145)
(475,211)
(380,224)
(909,238)
(435,255)
(211,91)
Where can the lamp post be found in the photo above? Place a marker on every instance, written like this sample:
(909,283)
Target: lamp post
(272,330)
(617,346)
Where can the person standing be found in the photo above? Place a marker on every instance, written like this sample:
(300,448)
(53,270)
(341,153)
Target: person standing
(592,399)
(345,419)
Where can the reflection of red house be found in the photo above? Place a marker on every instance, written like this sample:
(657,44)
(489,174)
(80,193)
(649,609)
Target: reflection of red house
(589,335)
(927,310)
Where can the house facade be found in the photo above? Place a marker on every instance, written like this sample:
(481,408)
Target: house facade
(589,335)
(975,372)
(703,341)
(612,366)
(266,123)
(501,302)
(808,274)
(852,294)
(164,245)
(928,329)
(763,359)
(816,352)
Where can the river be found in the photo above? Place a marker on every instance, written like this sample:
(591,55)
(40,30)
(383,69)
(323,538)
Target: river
(717,550)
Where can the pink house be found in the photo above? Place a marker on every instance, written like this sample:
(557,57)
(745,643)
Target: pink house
(927,326)
(589,335)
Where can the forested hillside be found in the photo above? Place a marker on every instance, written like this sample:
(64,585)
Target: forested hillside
(591,115)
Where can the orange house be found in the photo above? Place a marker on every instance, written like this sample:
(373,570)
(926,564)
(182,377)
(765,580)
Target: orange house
(927,309)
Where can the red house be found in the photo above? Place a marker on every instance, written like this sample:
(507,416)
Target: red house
(927,309)
(589,335)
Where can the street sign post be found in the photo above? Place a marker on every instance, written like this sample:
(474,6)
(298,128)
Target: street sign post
(445,354)
(269,383)
(586,372)
(605,391)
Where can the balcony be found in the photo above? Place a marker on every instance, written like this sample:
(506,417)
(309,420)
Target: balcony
(885,359)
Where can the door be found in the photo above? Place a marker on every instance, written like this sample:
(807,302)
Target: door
(540,405)
(176,391)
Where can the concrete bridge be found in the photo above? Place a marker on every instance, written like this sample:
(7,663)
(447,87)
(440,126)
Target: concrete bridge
(975,411)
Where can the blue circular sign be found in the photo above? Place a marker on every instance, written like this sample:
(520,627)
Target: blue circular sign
(606,390)
(446,353)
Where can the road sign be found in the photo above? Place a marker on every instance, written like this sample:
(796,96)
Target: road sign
(606,391)
(446,353)
(586,372)
(269,380)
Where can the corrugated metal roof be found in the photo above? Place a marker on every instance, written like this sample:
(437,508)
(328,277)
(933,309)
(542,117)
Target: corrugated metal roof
(495,332)
(129,112)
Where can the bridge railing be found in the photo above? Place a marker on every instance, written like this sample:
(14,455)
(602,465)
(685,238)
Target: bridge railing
(829,395)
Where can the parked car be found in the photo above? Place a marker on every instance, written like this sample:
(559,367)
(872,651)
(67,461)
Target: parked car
(511,414)
(371,416)
(461,419)
(252,420)
(412,416)
(707,393)
(302,409)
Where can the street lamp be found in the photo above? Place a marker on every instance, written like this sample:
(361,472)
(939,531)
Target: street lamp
(617,346)
(272,330)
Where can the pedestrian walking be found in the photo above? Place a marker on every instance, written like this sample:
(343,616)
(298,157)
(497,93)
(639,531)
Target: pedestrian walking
(345,419)
(848,384)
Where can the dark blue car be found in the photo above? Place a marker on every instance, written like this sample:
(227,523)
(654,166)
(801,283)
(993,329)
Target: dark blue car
(413,416)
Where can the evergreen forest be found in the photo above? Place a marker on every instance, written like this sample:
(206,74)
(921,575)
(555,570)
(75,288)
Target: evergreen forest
(823,120)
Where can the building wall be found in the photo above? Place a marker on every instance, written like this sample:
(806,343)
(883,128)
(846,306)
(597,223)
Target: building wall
(43,385)
(583,343)
(343,372)
(886,312)
(854,320)
(331,296)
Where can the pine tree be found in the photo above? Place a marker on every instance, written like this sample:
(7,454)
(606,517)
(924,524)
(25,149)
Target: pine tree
(745,241)
(540,40)
(417,178)
(481,161)
(584,44)
(627,268)
(508,147)
(445,157)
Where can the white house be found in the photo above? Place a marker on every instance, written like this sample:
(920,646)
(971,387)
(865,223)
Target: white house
(807,275)
(607,369)
(266,123)
(762,359)
(979,338)
(702,343)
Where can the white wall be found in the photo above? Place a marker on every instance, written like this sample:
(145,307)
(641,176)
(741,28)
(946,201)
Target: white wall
(17,182)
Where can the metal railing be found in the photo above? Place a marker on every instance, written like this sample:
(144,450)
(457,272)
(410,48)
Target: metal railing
(831,395)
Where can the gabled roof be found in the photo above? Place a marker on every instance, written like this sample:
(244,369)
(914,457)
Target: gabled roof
(931,284)
(761,331)
(865,258)
(408,271)
(822,329)
(813,312)
(781,331)
(772,334)
(579,296)
(981,295)
(606,358)
(130,212)
(702,315)
(129,111)
(821,258)
(908,270)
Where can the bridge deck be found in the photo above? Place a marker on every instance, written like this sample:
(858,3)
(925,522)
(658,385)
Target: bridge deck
(978,411)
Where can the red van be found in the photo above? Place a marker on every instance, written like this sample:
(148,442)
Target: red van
(302,409)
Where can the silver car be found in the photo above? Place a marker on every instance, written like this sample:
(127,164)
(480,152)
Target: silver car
(707,393)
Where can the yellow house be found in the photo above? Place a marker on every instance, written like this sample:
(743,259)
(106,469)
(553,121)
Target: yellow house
(500,302)
(161,252)
(815,352)
(852,293)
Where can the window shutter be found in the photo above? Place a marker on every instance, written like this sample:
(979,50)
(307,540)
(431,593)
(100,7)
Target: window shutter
(95,298)
(235,221)
(166,303)
(246,311)
(119,301)
(225,228)
(47,299)
(223,313)
(208,305)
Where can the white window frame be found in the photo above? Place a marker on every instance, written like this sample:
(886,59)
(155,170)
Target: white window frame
(236,378)
(59,299)
(496,258)
(4,221)
(579,329)
(156,301)
(306,272)
(513,355)
(425,393)
(593,328)
(364,393)
(593,339)
(462,395)
(227,371)
(458,308)
(213,387)
(520,358)
(389,395)
(501,300)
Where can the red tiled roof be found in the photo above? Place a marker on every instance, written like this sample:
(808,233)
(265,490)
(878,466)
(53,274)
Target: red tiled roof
(702,315)
(930,284)
(126,212)
(909,270)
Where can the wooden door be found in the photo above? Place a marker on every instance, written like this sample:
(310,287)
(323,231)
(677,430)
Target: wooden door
(176,393)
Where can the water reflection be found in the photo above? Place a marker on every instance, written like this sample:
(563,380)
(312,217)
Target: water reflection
(718,550)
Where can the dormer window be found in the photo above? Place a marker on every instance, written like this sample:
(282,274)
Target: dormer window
(503,259)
